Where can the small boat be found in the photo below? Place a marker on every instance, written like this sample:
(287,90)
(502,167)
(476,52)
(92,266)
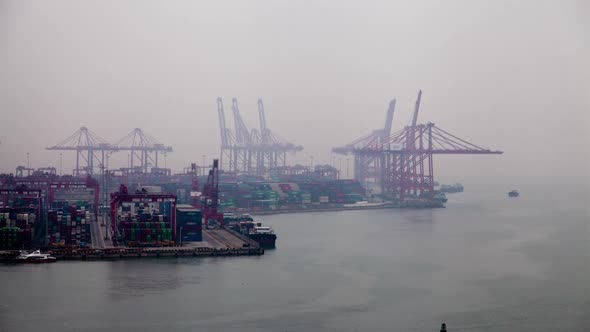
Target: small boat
(513,193)
(35,257)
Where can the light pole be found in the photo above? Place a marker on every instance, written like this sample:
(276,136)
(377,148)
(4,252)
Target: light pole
(105,199)
(60,163)
(204,161)
(181,236)
(340,167)
(28,160)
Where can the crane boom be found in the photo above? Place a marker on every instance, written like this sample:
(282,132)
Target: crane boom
(388,121)
(222,128)
(416,109)
(262,118)
(242,133)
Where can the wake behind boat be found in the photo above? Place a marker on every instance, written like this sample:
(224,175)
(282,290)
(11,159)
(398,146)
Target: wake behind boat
(35,257)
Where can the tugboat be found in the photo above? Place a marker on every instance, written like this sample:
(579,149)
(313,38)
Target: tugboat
(513,193)
(35,257)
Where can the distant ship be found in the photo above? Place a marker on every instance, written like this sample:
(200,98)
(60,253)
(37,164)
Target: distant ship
(513,193)
(451,188)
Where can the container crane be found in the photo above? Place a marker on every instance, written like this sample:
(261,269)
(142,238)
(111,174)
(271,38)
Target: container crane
(90,149)
(210,197)
(408,156)
(368,169)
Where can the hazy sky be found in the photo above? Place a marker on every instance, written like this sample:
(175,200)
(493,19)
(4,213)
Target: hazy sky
(509,75)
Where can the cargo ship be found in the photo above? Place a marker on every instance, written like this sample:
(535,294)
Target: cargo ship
(451,188)
(255,230)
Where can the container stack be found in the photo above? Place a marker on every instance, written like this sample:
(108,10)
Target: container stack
(343,191)
(69,223)
(16,229)
(264,195)
(143,223)
(189,223)
(12,238)
(227,201)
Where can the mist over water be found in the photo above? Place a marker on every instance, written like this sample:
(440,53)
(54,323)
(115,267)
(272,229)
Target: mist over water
(485,263)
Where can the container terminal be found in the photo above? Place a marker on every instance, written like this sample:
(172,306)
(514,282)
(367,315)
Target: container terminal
(144,209)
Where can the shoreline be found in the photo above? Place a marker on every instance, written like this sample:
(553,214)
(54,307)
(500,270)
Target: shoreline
(138,253)
(349,208)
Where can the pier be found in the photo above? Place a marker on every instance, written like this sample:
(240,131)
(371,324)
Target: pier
(216,242)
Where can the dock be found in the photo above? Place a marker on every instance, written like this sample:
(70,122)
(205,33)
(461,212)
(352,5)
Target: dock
(216,242)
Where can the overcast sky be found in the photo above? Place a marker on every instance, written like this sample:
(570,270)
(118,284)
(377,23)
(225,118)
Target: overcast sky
(509,75)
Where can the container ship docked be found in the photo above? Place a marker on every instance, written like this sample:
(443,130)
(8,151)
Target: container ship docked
(255,230)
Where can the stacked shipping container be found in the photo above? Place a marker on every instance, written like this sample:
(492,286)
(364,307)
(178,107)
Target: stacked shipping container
(16,228)
(261,195)
(143,223)
(190,223)
(19,216)
(69,223)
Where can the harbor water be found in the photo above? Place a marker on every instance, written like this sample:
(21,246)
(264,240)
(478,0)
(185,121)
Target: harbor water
(485,263)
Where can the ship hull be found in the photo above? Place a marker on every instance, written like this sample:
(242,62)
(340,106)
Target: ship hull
(266,241)
(36,261)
